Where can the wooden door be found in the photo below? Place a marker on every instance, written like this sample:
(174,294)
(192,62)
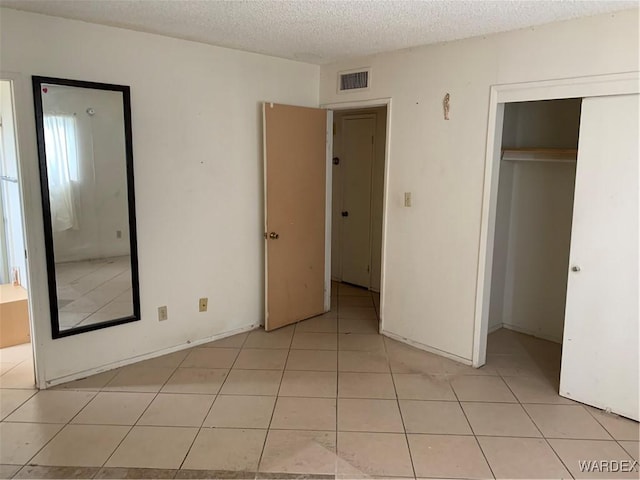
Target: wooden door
(358,151)
(295,213)
(600,347)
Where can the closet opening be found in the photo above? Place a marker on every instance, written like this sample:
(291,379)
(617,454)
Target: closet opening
(532,238)
(359,148)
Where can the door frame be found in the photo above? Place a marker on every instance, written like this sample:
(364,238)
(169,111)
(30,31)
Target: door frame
(578,87)
(353,105)
(32,230)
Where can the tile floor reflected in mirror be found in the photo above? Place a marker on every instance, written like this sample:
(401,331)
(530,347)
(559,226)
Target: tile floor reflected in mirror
(326,398)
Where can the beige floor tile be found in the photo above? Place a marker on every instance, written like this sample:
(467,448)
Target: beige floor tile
(308,452)
(280,338)
(92,383)
(139,379)
(632,448)
(526,458)
(360,342)
(356,361)
(454,368)
(51,406)
(364,415)
(416,386)
(81,445)
(434,417)
(252,382)
(619,428)
(354,301)
(500,420)
(572,452)
(304,414)
(210,358)
(319,324)
(514,365)
(114,408)
(314,341)
(234,341)
(36,471)
(358,325)
(345,289)
(296,383)
(261,359)
(153,447)
(20,376)
(235,450)
(406,359)
(177,410)
(172,360)
(378,454)
(566,421)
(122,473)
(318,360)
(196,380)
(11,399)
(21,441)
(365,385)
(447,456)
(536,390)
(471,388)
(239,411)
(8,471)
(364,313)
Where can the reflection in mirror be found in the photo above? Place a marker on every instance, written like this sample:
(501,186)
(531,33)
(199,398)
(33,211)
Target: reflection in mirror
(87,185)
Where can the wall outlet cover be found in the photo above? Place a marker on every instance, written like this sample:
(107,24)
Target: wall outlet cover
(202,304)
(162,313)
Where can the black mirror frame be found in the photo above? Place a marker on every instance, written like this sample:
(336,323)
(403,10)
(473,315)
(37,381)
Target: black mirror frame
(37,82)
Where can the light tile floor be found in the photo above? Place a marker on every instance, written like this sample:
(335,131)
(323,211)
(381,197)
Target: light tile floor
(93,291)
(326,398)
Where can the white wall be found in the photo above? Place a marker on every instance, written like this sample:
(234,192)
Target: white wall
(101,193)
(377,192)
(197,139)
(431,249)
(10,192)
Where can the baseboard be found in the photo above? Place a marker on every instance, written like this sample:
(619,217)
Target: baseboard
(146,356)
(496,327)
(526,331)
(426,348)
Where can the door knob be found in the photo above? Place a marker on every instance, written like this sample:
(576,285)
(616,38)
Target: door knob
(575,268)
(345,214)
(274,235)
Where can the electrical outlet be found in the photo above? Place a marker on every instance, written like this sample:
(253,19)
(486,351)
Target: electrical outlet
(162,313)
(202,304)
(118,233)
(407,199)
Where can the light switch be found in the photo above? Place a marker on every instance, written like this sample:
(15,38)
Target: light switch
(407,199)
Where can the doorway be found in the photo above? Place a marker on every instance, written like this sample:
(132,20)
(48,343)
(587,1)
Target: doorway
(16,352)
(601,310)
(532,237)
(358,179)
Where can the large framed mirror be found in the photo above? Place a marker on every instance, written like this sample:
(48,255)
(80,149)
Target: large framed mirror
(86,179)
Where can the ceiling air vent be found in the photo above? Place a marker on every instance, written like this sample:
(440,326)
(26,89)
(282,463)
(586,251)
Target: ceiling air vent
(353,80)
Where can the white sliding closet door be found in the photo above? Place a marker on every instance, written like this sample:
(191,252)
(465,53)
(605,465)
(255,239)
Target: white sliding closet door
(600,348)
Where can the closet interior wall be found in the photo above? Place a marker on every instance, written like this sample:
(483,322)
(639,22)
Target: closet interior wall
(533,218)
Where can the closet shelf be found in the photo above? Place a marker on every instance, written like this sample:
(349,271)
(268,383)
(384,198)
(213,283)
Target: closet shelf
(552,155)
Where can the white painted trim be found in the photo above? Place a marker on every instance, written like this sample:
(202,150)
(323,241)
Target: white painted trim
(327,210)
(264,202)
(377,102)
(148,356)
(580,87)
(426,348)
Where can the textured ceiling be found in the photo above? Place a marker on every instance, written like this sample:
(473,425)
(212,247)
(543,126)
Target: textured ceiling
(320,31)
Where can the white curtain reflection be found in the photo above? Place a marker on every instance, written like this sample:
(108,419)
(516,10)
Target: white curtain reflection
(61,147)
